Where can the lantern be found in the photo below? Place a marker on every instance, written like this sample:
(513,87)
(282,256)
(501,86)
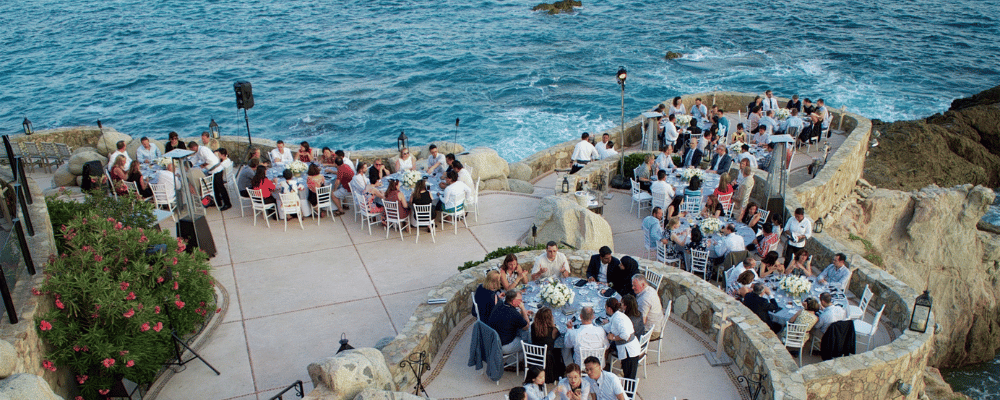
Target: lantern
(565,185)
(401,141)
(27,126)
(818,226)
(213,128)
(621,75)
(921,312)
(343,343)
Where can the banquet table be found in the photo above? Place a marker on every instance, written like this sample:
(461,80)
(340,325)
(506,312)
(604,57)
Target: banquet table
(792,304)
(432,182)
(742,229)
(709,182)
(276,171)
(587,295)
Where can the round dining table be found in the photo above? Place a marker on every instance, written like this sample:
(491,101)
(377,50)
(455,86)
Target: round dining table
(790,305)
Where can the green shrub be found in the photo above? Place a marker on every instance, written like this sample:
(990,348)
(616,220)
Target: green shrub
(633,160)
(129,210)
(114,305)
(501,252)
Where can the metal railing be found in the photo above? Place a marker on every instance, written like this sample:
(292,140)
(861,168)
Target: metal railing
(299,391)
(11,263)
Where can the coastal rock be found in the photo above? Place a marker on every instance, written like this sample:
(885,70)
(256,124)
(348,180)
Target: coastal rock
(135,143)
(26,386)
(565,6)
(936,388)
(63,177)
(372,394)
(106,143)
(84,149)
(495,184)
(561,219)
(77,160)
(8,359)
(672,55)
(346,374)
(444,148)
(928,238)
(520,171)
(519,186)
(484,163)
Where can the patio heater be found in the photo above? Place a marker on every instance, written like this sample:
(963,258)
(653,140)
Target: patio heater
(192,224)
(27,126)
(650,133)
(777,175)
(213,128)
(619,180)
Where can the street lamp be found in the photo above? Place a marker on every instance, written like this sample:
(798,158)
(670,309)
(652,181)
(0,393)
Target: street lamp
(27,126)
(621,75)
(213,128)
(401,141)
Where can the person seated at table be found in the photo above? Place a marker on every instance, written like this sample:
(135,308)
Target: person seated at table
(290,183)
(697,241)
(509,319)
(754,117)
(255,153)
(209,141)
(174,142)
(281,154)
(755,301)
(456,194)
(328,158)
(512,273)
(769,121)
(552,264)
(725,187)
(747,183)
(730,242)
(671,133)
(749,216)
(604,384)
(392,193)
(644,175)
(721,161)
(631,309)
(120,151)
(544,333)
(807,316)
(622,333)
(305,153)
(674,209)
(118,175)
(665,161)
(600,264)
(347,160)
(609,151)
(763,244)
(572,386)
(166,176)
(750,264)
(587,337)
(486,295)
(676,107)
(204,158)
(147,153)
(517,393)
(713,208)
(342,185)
(652,227)
(745,154)
(135,176)
(648,302)
(374,196)
(314,180)
(674,238)
(660,188)
(769,265)
(792,122)
(759,137)
(620,279)
(534,384)
(837,274)
(740,135)
(794,104)
(692,156)
(801,265)
(404,162)
(741,285)
(436,162)
(693,188)
(266,186)
(463,174)
(421,197)
(828,314)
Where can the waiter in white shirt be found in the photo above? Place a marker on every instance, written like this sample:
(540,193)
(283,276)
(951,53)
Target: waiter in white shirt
(770,102)
(219,172)
(583,153)
(798,229)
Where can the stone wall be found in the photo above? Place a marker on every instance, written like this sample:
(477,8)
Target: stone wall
(837,179)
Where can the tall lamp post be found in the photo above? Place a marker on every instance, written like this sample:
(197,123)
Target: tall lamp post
(619,181)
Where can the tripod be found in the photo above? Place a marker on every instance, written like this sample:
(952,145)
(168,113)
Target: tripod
(178,343)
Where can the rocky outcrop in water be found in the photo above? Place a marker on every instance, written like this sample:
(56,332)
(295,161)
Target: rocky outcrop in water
(563,6)
(928,239)
(958,147)
(672,55)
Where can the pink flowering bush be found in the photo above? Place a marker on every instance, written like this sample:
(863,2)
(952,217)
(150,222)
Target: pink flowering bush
(115,305)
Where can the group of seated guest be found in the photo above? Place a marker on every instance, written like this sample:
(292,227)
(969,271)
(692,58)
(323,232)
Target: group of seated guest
(577,384)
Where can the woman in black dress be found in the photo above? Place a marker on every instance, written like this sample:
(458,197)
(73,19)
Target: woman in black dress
(544,333)
(134,175)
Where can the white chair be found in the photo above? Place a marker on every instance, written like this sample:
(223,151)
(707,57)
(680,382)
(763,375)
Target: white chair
(661,254)
(858,311)
(164,198)
(291,204)
(458,213)
(795,337)
(206,188)
(653,278)
(362,209)
(699,262)
(243,203)
(472,204)
(423,216)
(259,207)
(660,200)
(355,190)
(533,356)
(727,202)
(643,199)
(663,326)
(643,347)
(133,189)
(475,306)
(630,386)
(862,328)
(599,353)
(323,201)
(649,246)
(392,218)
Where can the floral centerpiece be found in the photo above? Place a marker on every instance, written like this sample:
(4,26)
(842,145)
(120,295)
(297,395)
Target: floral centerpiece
(736,148)
(297,167)
(556,294)
(710,226)
(689,173)
(682,120)
(164,161)
(783,114)
(795,285)
(410,178)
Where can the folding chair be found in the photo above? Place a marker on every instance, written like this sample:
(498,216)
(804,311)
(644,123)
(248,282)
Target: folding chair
(533,356)
(260,207)
(323,201)
(795,337)
(291,204)
(392,218)
(423,216)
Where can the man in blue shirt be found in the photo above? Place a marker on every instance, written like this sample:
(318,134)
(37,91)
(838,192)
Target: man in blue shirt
(508,319)
(837,274)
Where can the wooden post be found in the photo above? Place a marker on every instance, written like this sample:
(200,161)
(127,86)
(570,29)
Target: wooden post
(719,357)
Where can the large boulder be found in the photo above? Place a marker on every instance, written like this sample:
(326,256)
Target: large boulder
(135,143)
(562,219)
(346,374)
(84,149)
(372,394)
(519,186)
(26,386)
(63,177)
(78,159)
(520,170)
(500,183)
(484,163)
(8,359)
(106,143)
(443,148)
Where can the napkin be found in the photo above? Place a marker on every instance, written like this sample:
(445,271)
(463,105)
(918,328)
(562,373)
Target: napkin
(581,283)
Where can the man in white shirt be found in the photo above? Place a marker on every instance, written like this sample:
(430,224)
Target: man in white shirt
(699,112)
(829,313)
(622,333)
(665,161)
(730,242)
(147,153)
(607,151)
(455,194)
(747,155)
(824,114)
(347,161)
(770,102)
(219,172)
(605,142)
(203,158)
(649,305)
(769,121)
(281,154)
(464,175)
(436,163)
(750,264)
(120,151)
(551,264)
(798,229)
(603,384)
(587,337)
(583,153)
(167,177)
(662,189)
(670,133)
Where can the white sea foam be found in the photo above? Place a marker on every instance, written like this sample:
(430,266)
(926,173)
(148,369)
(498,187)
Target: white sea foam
(524,131)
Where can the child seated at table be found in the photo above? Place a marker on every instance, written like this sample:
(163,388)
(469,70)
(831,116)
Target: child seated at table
(290,185)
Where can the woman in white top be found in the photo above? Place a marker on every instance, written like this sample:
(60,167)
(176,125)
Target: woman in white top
(573,387)
(405,162)
(534,385)
(676,107)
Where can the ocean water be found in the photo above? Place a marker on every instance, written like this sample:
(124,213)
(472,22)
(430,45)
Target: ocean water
(353,75)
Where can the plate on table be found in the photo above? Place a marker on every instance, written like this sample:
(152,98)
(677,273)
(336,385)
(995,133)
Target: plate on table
(602,320)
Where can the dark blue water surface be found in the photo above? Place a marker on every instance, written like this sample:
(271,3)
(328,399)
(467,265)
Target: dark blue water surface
(352,74)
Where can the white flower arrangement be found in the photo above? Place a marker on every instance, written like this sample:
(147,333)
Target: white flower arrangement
(682,120)
(164,161)
(297,167)
(795,285)
(710,226)
(783,114)
(556,294)
(736,148)
(410,178)
(689,173)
